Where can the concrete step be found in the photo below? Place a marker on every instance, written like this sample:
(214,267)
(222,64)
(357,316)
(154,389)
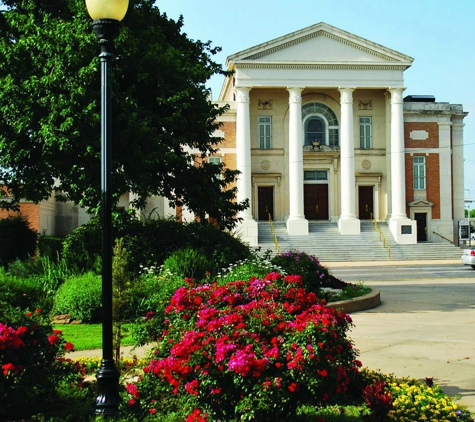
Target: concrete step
(326,242)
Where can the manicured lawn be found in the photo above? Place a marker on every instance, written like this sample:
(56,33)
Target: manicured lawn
(89,336)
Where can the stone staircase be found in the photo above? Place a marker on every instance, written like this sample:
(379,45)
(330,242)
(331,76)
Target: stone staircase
(326,242)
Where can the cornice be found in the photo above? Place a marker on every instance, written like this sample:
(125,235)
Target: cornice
(312,66)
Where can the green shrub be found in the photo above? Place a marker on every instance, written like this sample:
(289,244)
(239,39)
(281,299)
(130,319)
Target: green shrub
(190,263)
(149,242)
(23,292)
(17,239)
(50,247)
(220,247)
(82,248)
(80,297)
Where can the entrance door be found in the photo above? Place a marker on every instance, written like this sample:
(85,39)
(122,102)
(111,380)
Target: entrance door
(315,199)
(365,202)
(265,202)
(421,221)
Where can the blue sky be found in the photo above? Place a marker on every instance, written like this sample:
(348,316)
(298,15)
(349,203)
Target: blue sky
(438,34)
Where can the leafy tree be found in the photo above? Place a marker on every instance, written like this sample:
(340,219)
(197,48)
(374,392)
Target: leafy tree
(163,117)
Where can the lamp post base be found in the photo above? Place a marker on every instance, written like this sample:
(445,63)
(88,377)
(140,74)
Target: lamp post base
(108,398)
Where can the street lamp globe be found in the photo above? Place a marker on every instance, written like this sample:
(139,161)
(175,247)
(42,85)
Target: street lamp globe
(107,9)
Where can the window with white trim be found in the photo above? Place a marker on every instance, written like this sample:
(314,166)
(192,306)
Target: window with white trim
(265,132)
(419,163)
(366,132)
(217,161)
(320,124)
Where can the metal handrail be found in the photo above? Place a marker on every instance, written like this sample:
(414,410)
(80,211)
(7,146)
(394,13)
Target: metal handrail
(448,240)
(272,229)
(381,235)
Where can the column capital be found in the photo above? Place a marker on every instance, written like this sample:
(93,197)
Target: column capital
(346,95)
(396,95)
(457,121)
(295,94)
(242,94)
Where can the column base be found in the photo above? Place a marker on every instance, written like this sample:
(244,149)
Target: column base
(248,232)
(403,230)
(297,227)
(349,226)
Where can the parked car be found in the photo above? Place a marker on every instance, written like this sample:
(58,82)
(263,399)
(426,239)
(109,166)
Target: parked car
(468,257)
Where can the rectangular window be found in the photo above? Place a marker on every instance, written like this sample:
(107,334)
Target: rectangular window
(366,132)
(419,173)
(215,160)
(265,132)
(315,175)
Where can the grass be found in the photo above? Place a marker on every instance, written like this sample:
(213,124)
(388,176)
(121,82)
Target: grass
(89,336)
(351,291)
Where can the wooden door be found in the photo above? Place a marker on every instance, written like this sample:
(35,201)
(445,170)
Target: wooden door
(265,202)
(421,221)
(315,198)
(365,202)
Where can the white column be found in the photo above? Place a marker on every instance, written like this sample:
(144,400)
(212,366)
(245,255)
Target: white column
(296,223)
(445,172)
(458,174)
(387,175)
(398,176)
(248,226)
(399,223)
(348,223)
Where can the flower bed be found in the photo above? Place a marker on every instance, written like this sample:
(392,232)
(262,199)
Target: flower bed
(235,352)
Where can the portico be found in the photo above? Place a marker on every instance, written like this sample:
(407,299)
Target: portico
(319,132)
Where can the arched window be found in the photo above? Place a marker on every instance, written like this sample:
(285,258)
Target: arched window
(320,124)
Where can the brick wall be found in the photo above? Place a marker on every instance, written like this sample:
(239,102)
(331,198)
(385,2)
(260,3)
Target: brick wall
(229,129)
(431,128)
(30,211)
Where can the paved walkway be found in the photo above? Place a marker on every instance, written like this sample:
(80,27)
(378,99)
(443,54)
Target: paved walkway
(423,328)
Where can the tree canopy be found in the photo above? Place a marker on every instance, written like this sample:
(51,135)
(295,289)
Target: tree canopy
(163,118)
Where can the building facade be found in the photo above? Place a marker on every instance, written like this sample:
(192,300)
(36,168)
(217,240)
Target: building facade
(320,128)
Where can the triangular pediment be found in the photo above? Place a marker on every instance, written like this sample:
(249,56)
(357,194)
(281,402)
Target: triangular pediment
(320,43)
(421,203)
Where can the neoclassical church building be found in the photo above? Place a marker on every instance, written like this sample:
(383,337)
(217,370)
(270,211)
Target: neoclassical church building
(321,128)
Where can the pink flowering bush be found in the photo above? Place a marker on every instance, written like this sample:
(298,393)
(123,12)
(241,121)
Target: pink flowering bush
(247,350)
(31,361)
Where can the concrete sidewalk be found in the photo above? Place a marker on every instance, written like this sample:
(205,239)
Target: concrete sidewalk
(423,328)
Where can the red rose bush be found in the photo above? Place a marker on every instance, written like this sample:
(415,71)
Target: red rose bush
(31,357)
(247,350)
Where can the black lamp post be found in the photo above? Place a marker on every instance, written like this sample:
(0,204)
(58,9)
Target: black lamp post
(106,15)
